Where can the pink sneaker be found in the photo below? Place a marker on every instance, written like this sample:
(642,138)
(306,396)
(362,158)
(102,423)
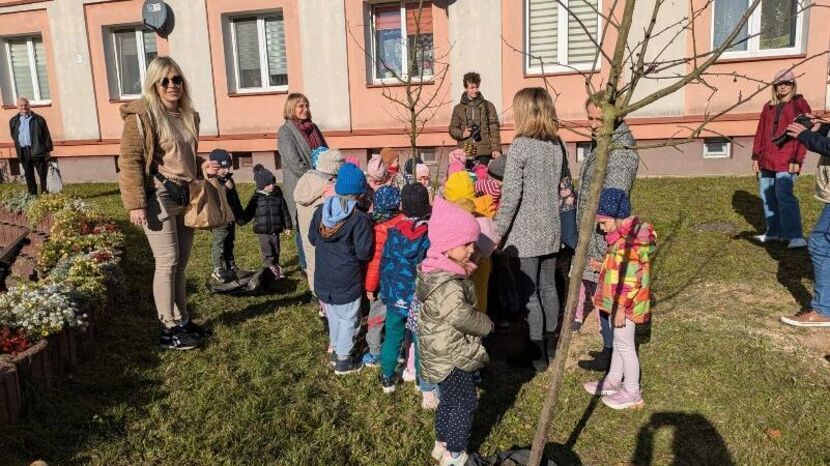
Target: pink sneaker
(599,388)
(623,400)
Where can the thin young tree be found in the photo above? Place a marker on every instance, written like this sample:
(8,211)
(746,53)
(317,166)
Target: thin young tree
(632,58)
(416,92)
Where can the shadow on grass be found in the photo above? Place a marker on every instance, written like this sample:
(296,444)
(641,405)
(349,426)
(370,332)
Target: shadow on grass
(695,440)
(793,264)
(255,310)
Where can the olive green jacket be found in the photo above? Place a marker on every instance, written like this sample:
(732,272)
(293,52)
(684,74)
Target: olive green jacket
(482,113)
(449,326)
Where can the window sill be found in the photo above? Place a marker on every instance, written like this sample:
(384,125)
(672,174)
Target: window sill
(262,92)
(754,58)
(31,105)
(125,100)
(568,72)
(376,85)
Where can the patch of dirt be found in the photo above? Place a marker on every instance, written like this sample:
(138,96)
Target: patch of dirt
(727,228)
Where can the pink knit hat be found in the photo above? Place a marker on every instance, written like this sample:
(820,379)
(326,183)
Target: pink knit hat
(455,167)
(421,170)
(353,160)
(376,171)
(451,226)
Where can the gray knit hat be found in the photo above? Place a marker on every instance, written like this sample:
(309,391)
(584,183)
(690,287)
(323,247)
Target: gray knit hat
(330,162)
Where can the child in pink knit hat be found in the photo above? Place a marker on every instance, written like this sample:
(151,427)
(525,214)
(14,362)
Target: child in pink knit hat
(450,330)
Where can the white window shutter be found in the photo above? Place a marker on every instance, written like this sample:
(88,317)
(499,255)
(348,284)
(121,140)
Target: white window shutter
(543,30)
(40,64)
(581,47)
(21,71)
(275,45)
(247,52)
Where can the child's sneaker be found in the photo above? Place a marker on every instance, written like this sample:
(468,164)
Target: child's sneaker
(623,400)
(276,271)
(448,460)
(370,360)
(232,266)
(347,366)
(576,325)
(387,383)
(438,450)
(408,375)
(600,388)
(429,400)
(221,275)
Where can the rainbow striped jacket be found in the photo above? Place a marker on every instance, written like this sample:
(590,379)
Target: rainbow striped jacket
(625,278)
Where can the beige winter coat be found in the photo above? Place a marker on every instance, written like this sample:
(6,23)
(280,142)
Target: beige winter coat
(449,326)
(308,195)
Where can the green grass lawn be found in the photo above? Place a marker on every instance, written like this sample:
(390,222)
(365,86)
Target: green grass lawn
(719,373)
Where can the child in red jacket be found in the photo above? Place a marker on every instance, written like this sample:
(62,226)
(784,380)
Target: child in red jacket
(386,215)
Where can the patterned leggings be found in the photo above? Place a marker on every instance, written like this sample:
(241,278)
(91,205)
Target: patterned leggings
(454,417)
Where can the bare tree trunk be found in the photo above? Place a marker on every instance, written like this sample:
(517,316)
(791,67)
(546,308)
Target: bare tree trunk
(586,228)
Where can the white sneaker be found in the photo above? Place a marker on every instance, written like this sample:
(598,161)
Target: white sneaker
(448,460)
(766,239)
(797,243)
(408,376)
(438,450)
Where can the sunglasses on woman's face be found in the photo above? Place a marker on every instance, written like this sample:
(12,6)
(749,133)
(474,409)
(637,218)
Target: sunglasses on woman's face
(176,80)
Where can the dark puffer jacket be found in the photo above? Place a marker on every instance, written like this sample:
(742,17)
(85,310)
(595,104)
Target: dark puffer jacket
(269,212)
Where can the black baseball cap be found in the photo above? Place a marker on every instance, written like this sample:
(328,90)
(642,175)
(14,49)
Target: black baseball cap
(222,156)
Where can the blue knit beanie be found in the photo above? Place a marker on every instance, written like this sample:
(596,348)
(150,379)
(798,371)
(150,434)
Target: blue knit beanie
(614,203)
(388,199)
(350,181)
(315,155)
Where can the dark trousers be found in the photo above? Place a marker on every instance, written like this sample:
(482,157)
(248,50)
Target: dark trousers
(269,248)
(298,240)
(454,417)
(537,292)
(30,166)
(222,250)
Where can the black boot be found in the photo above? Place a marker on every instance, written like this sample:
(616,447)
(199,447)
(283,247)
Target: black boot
(540,360)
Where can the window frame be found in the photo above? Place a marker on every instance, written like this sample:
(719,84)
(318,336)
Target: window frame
(263,53)
(561,42)
(582,148)
(717,155)
(753,49)
(404,47)
(30,49)
(140,51)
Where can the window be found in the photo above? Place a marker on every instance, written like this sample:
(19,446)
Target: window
(716,148)
(260,61)
(582,149)
(774,28)
(242,160)
(26,62)
(398,36)
(132,51)
(556,37)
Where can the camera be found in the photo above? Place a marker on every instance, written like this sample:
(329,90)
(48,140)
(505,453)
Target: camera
(802,120)
(475,133)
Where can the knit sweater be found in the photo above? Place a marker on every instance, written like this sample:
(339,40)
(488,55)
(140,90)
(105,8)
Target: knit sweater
(528,216)
(295,156)
(622,170)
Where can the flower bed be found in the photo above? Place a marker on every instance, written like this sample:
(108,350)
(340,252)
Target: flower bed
(46,325)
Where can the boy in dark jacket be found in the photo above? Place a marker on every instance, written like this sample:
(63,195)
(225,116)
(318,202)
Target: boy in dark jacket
(342,235)
(269,211)
(224,263)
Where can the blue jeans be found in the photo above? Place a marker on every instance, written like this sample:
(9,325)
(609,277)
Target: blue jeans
(819,246)
(606,330)
(344,320)
(781,210)
(298,240)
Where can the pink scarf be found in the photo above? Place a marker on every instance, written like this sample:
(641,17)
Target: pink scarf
(310,133)
(435,262)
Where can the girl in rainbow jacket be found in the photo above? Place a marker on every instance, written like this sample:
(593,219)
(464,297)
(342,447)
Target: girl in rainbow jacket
(624,293)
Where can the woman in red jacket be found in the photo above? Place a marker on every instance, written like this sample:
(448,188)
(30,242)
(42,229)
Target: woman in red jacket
(777,159)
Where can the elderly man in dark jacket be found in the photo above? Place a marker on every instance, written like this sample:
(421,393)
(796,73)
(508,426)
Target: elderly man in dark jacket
(33,144)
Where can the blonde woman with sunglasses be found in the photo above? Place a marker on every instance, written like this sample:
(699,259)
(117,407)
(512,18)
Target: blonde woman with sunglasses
(158,160)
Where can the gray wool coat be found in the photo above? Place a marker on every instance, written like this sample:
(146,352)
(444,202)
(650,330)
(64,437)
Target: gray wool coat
(295,156)
(622,170)
(528,215)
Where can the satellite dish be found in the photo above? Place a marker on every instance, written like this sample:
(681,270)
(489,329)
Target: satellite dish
(157,16)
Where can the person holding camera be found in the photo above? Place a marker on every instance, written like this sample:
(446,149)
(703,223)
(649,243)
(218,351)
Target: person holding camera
(476,121)
(814,135)
(777,159)
(157,163)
